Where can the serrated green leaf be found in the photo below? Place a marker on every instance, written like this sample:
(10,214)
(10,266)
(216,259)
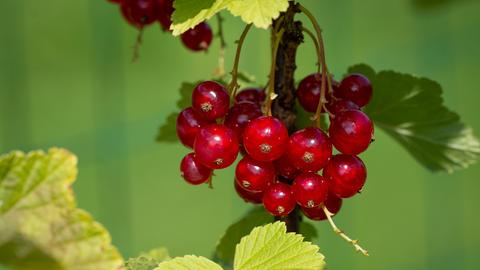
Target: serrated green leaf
(271,248)
(40,228)
(189,263)
(411,110)
(225,249)
(141,263)
(167,131)
(189,13)
(259,12)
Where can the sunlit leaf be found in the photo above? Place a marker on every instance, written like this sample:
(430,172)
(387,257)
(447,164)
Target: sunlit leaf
(189,263)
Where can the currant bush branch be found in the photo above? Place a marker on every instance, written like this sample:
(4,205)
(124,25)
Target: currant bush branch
(355,244)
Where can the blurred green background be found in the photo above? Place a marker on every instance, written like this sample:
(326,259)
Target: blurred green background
(66,79)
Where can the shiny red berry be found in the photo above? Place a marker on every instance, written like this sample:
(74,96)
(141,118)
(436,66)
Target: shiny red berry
(309,90)
(285,167)
(164,14)
(309,149)
(210,99)
(189,123)
(278,199)
(248,196)
(254,175)
(198,38)
(140,12)
(346,175)
(193,171)
(255,95)
(240,115)
(310,189)
(216,146)
(357,88)
(332,203)
(351,132)
(265,138)
(335,106)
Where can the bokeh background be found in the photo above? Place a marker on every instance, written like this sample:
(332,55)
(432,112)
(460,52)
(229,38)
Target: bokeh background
(66,79)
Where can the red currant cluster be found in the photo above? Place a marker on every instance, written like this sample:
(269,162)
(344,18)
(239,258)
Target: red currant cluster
(141,13)
(279,170)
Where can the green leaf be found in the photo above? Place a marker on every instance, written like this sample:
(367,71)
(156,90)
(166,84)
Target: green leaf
(411,110)
(149,260)
(189,13)
(259,12)
(167,131)
(40,228)
(308,231)
(271,248)
(189,263)
(225,249)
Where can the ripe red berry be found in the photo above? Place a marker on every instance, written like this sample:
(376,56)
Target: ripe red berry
(247,196)
(189,123)
(333,204)
(253,175)
(309,90)
(255,95)
(165,10)
(346,175)
(193,171)
(309,149)
(357,88)
(310,189)
(338,105)
(210,99)
(140,12)
(198,38)
(216,146)
(240,115)
(285,167)
(278,199)
(265,138)
(351,132)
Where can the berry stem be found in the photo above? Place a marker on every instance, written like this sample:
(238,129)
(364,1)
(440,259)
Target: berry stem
(233,86)
(136,46)
(336,230)
(220,71)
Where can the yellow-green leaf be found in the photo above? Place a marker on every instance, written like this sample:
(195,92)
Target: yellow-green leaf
(270,247)
(259,12)
(40,227)
(202,15)
(189,262)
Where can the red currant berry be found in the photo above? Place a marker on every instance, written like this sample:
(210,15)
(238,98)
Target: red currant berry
(265,138)
(309,149)
(253,175)
(310,189)
(189,123)
(198,38)
(164,14)
(248,196)
(351,132)
(193,171)
(357,88)
(278,199)
(210,99)
(285,167)
(140,12)
(309,90)
(338,105)
(255,95)
(346,175)
(332,203)
(240,115)
(216,146)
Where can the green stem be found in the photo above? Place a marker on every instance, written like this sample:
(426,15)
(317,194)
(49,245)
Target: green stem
(233,86)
